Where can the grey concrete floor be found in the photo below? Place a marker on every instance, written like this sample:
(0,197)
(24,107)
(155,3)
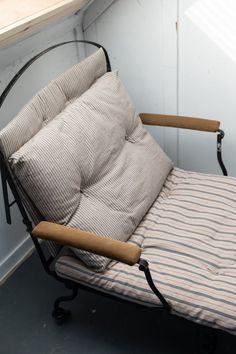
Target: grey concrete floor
(98,325)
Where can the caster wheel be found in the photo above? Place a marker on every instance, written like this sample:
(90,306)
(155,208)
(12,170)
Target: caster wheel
(61,315)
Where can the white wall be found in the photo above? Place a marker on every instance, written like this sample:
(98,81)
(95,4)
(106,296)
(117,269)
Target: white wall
(207,79)
(141,40)
(189,72)
(14,242)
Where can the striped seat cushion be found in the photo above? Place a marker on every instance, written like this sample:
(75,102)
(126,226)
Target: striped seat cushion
(189,239)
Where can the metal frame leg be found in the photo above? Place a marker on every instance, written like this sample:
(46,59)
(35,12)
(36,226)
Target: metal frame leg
(60,314)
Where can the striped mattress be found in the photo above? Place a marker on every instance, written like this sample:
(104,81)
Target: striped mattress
(188,237)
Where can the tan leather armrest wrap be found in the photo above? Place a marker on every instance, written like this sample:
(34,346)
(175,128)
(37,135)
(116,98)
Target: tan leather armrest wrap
(117,250)
(206,125)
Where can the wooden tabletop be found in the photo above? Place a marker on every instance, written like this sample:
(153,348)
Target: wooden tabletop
(19,18)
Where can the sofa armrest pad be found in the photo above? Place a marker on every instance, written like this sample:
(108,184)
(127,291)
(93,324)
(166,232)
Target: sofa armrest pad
(207,125)
(117,250)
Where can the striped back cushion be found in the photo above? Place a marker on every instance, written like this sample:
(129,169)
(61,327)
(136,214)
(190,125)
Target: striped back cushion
(44,107)
(93,166)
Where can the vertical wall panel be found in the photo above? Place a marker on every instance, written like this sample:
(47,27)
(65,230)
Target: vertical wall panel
(207,79)
(140,37)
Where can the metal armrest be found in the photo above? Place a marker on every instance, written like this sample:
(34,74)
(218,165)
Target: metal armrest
(117,250)
(206,125)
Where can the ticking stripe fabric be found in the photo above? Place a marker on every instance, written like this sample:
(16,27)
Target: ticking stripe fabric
(41,110)
(189,239)
(51,101)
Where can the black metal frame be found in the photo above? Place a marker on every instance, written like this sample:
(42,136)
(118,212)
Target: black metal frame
(58,313)
(220,137)
(37,56)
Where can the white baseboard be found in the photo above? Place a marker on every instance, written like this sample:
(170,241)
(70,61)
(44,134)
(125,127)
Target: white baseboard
(15,258)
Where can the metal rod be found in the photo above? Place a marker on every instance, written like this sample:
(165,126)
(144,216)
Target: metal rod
(144,267)
(6,178)
(220,137)
(5,197)
(32,60)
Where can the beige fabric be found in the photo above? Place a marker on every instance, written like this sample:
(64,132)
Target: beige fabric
(188,237)
(50,102)
(94,166)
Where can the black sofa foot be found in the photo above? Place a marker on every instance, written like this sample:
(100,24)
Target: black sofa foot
(60,314)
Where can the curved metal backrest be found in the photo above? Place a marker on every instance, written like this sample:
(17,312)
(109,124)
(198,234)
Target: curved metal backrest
(37,56)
